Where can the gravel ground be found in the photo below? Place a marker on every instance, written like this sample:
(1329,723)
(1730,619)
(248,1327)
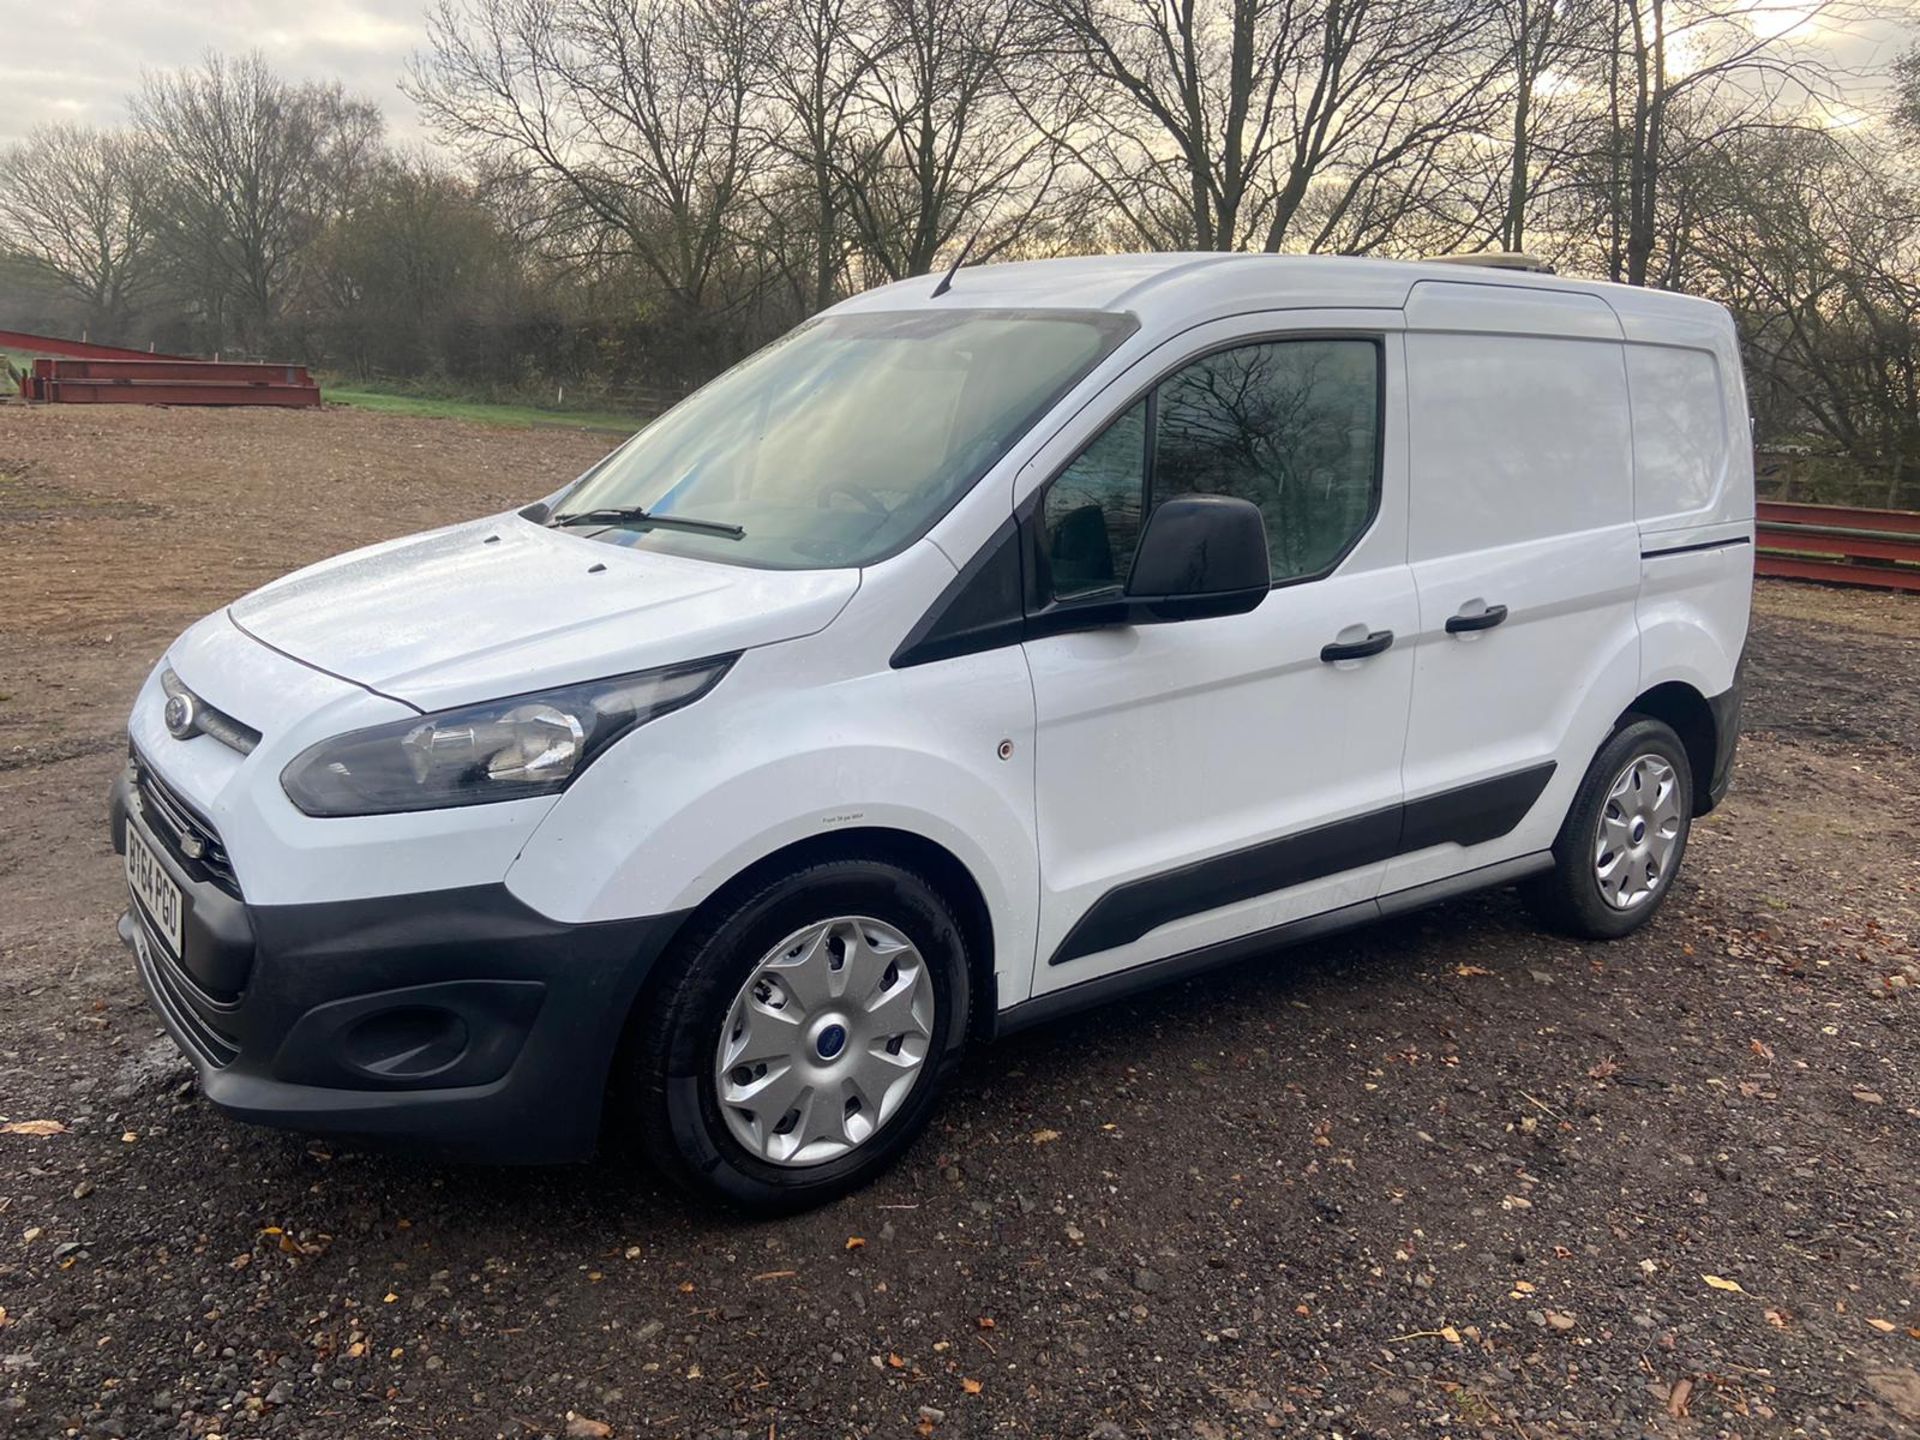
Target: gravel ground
(1441,1177)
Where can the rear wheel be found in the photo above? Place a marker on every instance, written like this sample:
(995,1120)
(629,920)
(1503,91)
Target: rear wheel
(1624,837)
(799,1038)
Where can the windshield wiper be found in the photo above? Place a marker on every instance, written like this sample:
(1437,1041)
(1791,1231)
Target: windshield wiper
(635,515)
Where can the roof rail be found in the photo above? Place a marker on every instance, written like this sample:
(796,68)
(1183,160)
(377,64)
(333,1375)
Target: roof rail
(1495,260)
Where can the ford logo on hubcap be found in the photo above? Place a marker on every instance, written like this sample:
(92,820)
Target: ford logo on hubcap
(182,716)
(832,1041)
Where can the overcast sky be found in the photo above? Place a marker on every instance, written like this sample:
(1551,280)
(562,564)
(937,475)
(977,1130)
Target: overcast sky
(79,59)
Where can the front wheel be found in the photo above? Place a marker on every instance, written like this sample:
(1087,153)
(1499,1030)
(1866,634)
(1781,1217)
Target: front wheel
(800,1036)
(1624,837)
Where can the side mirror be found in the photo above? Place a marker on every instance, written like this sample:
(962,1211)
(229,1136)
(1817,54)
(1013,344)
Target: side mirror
(1201,556)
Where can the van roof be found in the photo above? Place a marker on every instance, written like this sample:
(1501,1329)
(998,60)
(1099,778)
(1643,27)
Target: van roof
(1174,285)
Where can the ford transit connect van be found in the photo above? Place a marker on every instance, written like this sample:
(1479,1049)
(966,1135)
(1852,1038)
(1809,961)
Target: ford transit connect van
(971,655)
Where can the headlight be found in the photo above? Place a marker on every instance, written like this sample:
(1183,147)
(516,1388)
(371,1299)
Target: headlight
(504,750)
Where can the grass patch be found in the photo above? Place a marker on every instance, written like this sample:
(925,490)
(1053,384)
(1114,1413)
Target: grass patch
(433,408)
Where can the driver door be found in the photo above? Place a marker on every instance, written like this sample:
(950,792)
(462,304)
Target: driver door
(1205,781)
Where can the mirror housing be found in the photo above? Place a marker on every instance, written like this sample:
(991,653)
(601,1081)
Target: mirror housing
(1200,556)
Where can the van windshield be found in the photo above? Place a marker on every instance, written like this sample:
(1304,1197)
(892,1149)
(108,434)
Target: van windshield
(843,442)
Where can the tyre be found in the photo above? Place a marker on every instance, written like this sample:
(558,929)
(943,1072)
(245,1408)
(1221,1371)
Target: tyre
(800,1035)
(1624,837)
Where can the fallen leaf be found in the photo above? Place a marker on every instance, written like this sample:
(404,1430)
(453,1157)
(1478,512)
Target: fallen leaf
(1043,1137)
(1558,1320)
(856,1242)
(1449,1334)
(389,1297)
(1885,1327)
(1603,1069)
(985,1322)
(129,1137)
(33,1127)
(1868,1097)
(1717,1283)
(1776,1319)
(1471,970)
(1760,1048)
(1677,1398)
(972,1387)
(896,1362)
(579,1427)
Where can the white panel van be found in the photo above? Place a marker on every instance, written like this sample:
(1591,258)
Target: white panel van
(975,653)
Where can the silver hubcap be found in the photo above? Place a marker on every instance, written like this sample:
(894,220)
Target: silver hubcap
(1640,829)
(824,1041)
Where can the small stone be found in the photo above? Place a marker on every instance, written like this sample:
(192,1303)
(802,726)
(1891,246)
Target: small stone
(932,1414)
(1106,1430)
(649,1330)
(1559,1320)
(83,1189)
(1146,1281)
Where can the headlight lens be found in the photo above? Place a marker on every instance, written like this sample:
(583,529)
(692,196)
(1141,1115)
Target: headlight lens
(504,750)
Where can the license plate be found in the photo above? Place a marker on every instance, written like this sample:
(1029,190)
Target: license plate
(157,895)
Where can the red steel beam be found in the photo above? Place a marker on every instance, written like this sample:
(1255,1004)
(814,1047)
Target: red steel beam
(78,349)
(1776,539)
(109,392)
(195,371)
(1851,517)
(1837,572)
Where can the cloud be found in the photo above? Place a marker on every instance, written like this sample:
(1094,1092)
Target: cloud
(80,59)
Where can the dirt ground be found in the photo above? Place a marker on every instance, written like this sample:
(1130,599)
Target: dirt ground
(1440,1177)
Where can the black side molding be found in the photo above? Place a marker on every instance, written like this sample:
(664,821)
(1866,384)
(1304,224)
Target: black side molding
(1131,981)
(1469,815)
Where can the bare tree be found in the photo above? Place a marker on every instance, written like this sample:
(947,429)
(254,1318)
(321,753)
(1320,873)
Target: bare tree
(1684,77)
(634,118)
(1817,251)
(253,168)
(945,150)
(1268,123)
(75,206)
(818,63)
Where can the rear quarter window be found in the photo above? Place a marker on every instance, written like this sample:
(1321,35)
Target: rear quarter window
(1679,430)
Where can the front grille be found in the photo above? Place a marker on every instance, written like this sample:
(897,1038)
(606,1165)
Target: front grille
(174,991)
(188,835)
(209,719)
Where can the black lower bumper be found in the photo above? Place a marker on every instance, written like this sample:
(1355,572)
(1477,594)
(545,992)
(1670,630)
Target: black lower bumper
(459,1022)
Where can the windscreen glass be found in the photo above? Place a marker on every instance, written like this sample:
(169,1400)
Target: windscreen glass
(843,442)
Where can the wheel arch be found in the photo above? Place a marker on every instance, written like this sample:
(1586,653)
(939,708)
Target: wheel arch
(947,871)
(1686,712)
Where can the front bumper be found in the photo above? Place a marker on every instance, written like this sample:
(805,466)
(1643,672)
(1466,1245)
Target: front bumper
(457,1021)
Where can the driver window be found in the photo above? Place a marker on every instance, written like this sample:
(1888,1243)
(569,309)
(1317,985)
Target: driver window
(1292,425)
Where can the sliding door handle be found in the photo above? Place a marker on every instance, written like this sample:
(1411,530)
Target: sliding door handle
(1485,620)
(1357,649)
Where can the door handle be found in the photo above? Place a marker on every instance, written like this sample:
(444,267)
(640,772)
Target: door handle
(1357,649)
(1486,620)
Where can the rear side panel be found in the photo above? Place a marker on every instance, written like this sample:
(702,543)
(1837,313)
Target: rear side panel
(1693,492)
